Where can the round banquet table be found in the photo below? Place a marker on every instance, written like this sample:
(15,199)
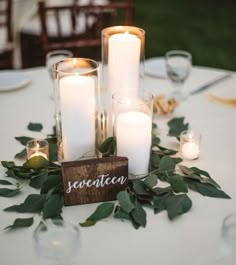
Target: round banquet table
(191,239)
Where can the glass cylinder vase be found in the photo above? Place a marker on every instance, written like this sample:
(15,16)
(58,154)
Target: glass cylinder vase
(133,130)
(76,97)
(122,65)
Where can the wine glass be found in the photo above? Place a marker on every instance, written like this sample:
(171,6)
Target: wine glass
(55,56)
(57,242)
(178,67)
(228,233)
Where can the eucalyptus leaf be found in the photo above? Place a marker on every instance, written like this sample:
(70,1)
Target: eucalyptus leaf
(36,127)
(139,188)
(8,164)
(108,146)
(177,205)
(125,201)
(177,184)
(53,152)
(150,181)
(22,154)
(167,151)
(53,206)
(23,139)
(176,126)
(121,214)
(50,182)
(155,140)
(33,204)
(4,192)
(139,214)
(159,202)
(5,182)
(21,223)
(87,223)
(207,189)
(36,163)
(155,160)
(186,170)
(11,174)
(103,211)
(37,181)
(167,164)
(204,173)
(161,190)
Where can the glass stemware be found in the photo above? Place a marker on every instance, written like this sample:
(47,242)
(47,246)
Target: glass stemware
(57,242)
(178,67)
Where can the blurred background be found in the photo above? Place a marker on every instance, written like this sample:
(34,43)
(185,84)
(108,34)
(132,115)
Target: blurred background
(205,28)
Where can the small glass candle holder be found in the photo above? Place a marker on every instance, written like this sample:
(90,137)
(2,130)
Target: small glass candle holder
(133,131)
(37,147)
(76,99)
(190,145)
(122,64)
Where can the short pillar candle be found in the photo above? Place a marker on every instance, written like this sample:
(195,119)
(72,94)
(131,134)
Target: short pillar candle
(190,145)
(37,147)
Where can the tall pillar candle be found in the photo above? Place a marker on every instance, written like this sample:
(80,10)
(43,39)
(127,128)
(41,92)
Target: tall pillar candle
(77,95)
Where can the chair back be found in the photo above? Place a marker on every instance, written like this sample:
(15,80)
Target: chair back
(79,26)
(6,46)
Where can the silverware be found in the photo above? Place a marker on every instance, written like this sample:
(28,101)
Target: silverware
(210,84)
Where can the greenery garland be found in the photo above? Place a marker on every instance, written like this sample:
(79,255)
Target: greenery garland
(165,167)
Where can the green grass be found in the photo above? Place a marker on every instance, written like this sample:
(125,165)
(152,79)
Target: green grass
(206,28)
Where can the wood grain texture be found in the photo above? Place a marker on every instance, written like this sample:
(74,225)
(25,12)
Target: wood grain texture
(94,180)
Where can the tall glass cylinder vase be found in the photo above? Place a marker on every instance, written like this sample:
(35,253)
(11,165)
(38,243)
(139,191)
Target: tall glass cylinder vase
(122,65)
(76,97)
(133,130)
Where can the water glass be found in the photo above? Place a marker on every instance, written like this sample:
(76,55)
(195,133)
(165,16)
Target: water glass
(57,242)
(178,67)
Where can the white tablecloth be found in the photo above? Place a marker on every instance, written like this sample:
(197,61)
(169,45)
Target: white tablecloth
(192,239)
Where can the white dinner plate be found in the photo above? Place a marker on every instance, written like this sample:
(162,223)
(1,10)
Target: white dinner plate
(155,67)
(10,80)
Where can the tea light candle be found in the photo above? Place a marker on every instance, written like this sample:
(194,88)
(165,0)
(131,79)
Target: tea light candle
(123,63)
(133,136)
(36,148)
(190,145)
(77,98)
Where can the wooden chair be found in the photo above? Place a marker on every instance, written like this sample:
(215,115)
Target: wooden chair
(86,23)
(6,45)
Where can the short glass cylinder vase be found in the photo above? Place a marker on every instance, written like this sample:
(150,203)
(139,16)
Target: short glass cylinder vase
(37,147)
(133,130)
(122,64)
(190,144)
(76,98)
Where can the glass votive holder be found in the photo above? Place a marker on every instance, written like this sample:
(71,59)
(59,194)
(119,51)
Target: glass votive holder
(37,147)
(190,144)
(57,242)
(133,130)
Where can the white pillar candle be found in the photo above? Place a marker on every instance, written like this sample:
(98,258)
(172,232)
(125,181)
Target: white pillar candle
(77,99)
(190,150)
(133,136)
(123,63)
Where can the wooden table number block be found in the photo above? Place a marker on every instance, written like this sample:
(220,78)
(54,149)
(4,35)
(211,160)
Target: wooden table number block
(94,180)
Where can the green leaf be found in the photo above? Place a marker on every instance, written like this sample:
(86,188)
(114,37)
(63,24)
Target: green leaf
(36,182)
(36,127)
(177,184)
(177,205)
(139,214)
(186,170)
(103,211)
(125,202)
(50,182)
(8,164)
(155,140)
(207,189)
(155,160)
(36,163)
(108,146)
(159,202)
(139,188)
(150,181)
(11,174)
(206,174)
(4,192)
(23,139)
(21,223)
(167,151)
(32,204)
(121,214)
(53,206)
(176,126)
(154,125)
(53,152)
(5,182)
(21,155)
(87,223)
(166,164)
(160,190)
